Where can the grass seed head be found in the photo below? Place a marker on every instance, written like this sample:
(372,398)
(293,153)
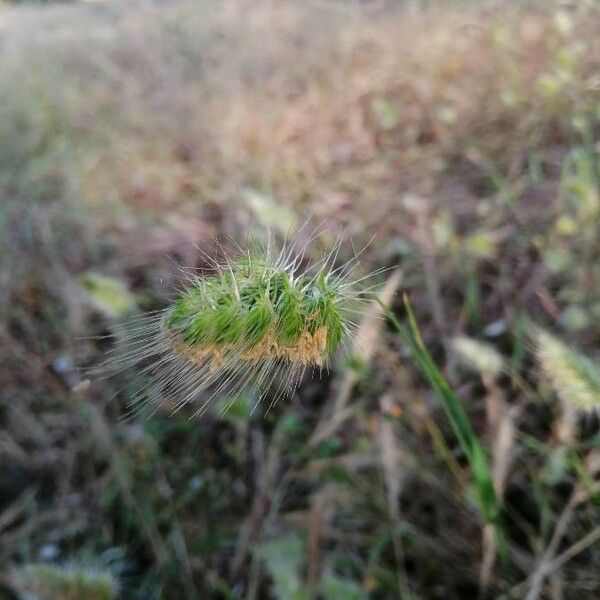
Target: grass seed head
(478,356)
(573,377)
(255,322)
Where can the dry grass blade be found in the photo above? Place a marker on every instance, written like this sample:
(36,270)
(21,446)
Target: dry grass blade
(391,461)
(548,564)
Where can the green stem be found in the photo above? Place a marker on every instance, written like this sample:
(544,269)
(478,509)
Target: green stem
(459,420)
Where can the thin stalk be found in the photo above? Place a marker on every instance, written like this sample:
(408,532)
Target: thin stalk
(459,420)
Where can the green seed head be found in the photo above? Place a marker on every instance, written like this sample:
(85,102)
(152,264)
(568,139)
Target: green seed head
(255,311)
(255,322)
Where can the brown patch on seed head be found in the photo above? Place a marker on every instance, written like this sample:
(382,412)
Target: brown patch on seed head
(307,349)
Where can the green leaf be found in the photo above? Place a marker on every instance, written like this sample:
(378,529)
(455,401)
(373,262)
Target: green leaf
(269,212)
(336,588)
(236,409)
(71,581)
(386,113)
(284,558)
(110,296)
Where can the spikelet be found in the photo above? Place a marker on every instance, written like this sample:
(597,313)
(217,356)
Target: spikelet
(71,582)
(478,356)
(573,377)
(257,322)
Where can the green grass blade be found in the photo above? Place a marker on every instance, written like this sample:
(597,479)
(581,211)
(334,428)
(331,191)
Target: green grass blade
(456,414)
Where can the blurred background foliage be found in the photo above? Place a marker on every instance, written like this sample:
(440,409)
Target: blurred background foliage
(462,135)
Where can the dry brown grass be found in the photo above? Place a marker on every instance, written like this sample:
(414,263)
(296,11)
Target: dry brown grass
(184,102)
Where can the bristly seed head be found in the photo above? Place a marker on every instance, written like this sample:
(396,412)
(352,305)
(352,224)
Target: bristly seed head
(573,377)
(478,356)
(255,322)
(257,311)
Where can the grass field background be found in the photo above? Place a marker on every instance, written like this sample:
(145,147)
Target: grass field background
(461,140)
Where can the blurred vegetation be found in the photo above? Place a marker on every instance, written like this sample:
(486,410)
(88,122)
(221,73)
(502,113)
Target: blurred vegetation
(464,136)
